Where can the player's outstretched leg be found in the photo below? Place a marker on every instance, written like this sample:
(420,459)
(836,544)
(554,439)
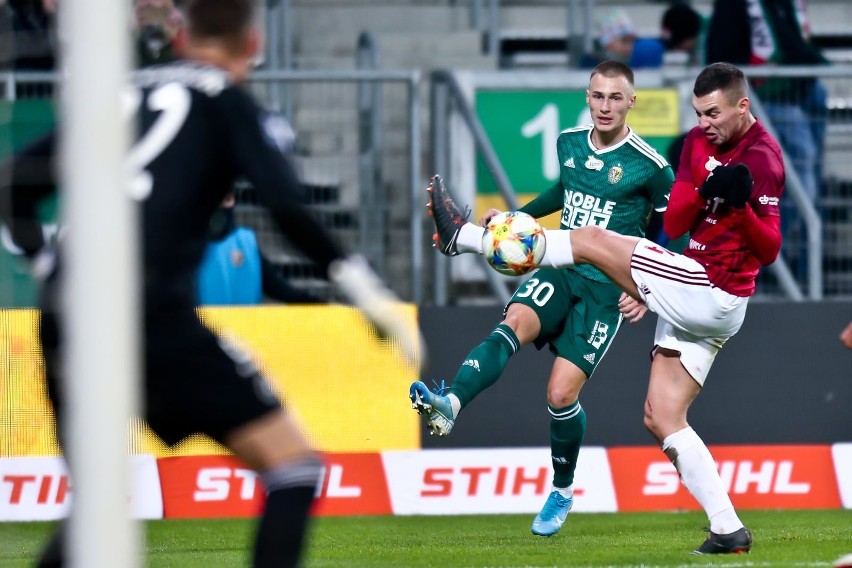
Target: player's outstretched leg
(447,216)
(435,406)
(737,542)
(552,515)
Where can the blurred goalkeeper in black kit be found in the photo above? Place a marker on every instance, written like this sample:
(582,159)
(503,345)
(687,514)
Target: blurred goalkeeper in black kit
(194,381)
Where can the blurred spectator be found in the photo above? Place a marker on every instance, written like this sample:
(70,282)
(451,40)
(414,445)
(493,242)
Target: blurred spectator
(755,32)
(616,36)
(27,35)
(235,272)
(648,53)
(157,26)
(681,27)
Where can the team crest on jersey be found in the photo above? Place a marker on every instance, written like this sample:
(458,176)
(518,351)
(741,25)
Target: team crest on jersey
(711,164)
(594,164)
(615,174)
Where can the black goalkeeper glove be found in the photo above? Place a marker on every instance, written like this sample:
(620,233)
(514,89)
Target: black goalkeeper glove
(731,183)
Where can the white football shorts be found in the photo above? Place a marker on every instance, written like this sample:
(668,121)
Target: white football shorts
(695,317)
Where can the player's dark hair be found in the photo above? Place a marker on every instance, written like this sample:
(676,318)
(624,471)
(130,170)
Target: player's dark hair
(721,77)
(225,20)
(613,69)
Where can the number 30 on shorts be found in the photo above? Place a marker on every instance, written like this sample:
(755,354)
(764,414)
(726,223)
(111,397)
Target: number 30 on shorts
(539,292)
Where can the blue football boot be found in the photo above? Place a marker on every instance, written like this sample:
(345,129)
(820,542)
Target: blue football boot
(434,405)
(552,515)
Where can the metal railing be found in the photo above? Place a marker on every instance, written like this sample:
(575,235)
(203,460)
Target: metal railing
(372,189)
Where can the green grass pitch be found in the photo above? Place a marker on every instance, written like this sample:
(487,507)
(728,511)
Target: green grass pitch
(782,539)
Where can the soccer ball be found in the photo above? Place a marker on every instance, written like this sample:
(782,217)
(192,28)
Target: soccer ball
(513,243)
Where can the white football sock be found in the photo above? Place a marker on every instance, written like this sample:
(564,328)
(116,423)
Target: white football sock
(455,403)
(566,492)
(558,252)
(470,238)
(699,474)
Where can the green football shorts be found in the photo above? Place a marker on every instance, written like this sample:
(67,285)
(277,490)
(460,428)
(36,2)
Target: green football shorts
(579,317)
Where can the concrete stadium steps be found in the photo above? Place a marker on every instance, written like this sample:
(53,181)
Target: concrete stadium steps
(646,16)
(425,40)
(400,60)
(324,141)
(308,117)
(839,237)
(330,170)
(407,35)
(838,148)
(347,19)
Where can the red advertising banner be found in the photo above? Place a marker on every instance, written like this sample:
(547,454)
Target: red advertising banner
(756,477)
(354,484)
(198,487)
(221,486)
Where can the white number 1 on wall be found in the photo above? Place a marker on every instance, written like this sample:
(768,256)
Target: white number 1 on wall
(545,123)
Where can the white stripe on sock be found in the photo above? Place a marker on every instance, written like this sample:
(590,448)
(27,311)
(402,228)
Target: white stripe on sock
(512,343)
(565,415)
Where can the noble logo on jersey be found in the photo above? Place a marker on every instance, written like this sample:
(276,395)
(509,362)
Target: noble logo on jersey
(582,209)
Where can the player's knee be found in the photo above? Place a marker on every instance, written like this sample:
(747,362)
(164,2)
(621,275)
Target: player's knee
(560,399)
(651,422)
(562,393)
(588,242)
(592,235)
(523,321)
(648,420)
(268,441)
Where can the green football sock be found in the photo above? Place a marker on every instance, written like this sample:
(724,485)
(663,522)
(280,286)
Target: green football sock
(484,364)
(567,430)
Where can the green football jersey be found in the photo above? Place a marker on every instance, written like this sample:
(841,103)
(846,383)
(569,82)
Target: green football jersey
(615,188)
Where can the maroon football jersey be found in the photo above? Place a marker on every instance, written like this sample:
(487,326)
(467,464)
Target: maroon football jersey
(714,242)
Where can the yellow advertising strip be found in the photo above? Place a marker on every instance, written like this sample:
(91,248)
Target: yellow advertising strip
(484,202)
(347,388)
(657,113)
(26,421)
